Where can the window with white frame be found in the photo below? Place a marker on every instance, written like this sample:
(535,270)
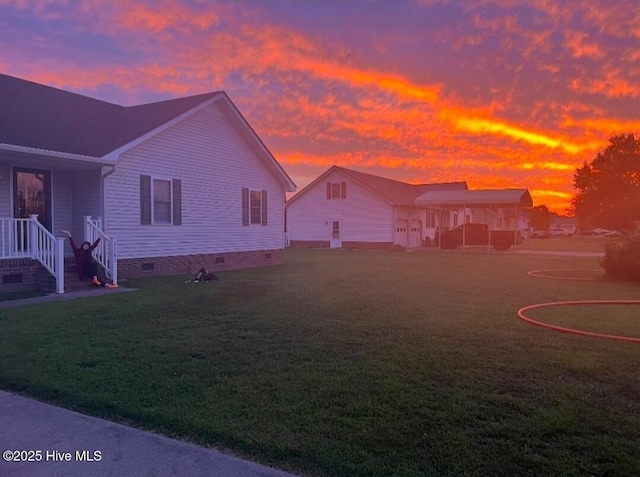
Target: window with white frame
(255,206)
(431,219)
(162,203)
(336,190)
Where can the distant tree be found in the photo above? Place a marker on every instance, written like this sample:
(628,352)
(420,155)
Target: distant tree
(609,187)
(540,217)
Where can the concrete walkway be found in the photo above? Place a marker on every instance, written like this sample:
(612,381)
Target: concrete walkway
(53,297)
(29,425)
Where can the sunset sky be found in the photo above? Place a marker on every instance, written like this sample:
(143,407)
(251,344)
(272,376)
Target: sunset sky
(500,93)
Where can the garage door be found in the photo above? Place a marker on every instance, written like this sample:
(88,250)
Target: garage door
(415,233)
(401,233)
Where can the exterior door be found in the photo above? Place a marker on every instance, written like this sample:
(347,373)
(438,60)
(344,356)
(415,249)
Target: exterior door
(415,234)
(32,195)
(401,232)
(336,240)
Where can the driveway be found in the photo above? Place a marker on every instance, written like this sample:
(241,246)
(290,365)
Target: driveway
(66,443)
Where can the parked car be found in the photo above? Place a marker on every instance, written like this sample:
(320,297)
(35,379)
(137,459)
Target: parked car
(558,232)
(538,233)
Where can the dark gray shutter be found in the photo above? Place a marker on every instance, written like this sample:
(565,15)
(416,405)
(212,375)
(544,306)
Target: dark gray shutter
(328,190)
(245,206)
(145,200)
(264,207)
(177,201)
(344,190)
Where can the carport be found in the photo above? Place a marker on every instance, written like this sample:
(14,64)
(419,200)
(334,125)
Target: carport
(489,201)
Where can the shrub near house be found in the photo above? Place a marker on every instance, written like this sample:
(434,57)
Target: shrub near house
(622,257)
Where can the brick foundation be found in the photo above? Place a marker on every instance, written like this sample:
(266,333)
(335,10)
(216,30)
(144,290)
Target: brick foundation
(190,264)
(20,274)
(368,245)
(309,244)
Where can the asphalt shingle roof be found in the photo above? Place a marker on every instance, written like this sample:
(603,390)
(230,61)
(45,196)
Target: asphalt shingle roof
(399,193)
(42,117)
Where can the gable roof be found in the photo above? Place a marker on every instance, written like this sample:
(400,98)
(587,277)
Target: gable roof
(394,192)
(476,197)
(40,117)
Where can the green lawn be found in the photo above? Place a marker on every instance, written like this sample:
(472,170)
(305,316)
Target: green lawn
(353,364)
(566,244)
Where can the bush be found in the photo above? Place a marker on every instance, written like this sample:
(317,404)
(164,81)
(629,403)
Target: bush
(622,257)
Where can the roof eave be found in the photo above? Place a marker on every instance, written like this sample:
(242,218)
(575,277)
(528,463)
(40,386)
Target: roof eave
(102,161)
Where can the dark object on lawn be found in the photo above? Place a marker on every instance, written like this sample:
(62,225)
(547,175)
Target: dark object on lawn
(204,276)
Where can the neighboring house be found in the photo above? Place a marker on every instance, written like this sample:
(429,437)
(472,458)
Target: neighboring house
(176,184)
(350,209)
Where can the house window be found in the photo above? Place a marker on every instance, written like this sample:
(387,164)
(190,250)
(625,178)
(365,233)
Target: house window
(431,219)
(161,201)
(256,206)
(455,219)
(336,190)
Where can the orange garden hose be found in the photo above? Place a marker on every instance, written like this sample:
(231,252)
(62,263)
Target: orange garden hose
(544,274)
(523,317)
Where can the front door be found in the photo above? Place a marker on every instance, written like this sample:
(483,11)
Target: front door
(32,195)
(336,240)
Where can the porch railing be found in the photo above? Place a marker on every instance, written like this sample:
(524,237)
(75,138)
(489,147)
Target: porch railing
(28,238)
(105,253)
(14,238)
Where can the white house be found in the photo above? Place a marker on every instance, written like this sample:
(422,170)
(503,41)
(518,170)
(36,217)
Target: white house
(168,186)
(351,209)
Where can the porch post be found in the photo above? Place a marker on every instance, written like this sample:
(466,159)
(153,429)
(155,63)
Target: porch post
(114,262)
(33,235)
(515,234)
(87,230)
(489,226)
(59,257)
(464,226)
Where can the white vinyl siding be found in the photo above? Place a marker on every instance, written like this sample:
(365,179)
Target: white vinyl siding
(86,192)
(214,162)
(363,215)
(62,204)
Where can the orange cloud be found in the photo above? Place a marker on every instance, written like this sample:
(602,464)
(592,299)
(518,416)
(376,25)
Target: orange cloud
(578,44)
(331,108)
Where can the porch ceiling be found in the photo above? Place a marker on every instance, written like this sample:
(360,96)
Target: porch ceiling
(34,160)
